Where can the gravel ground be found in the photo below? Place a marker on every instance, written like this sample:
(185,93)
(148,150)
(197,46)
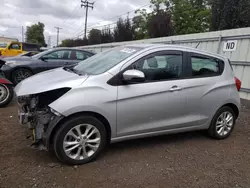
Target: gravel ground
(182,160)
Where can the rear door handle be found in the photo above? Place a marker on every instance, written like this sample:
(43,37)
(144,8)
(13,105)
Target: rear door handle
(175,88)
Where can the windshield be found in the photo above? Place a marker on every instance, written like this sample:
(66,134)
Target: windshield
(104,61)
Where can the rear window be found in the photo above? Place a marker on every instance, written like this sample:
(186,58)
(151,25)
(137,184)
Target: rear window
(204,66)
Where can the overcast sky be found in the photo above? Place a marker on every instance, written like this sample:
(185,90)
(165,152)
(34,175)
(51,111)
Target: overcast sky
(66,14)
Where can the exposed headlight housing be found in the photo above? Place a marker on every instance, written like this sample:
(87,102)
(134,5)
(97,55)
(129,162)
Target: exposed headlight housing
(55,112)
(48,97)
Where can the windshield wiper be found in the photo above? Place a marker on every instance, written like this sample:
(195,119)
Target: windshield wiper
(73,70)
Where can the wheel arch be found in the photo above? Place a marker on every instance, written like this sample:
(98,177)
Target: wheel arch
(234,108)
(100,117)
(22,67)
(17,68)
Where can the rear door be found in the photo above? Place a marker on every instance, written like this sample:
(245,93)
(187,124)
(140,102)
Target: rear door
(78,56)
(157,104)
(206,89)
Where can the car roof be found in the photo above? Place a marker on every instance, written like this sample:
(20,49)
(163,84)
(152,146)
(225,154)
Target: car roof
(175,47)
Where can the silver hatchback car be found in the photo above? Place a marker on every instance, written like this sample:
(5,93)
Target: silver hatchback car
(128,92)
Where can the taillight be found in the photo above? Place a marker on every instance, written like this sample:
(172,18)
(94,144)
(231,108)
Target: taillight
(237,83)
(4,81)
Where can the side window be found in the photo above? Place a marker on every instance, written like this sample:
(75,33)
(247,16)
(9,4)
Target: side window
(62,54)
(15,46)
(80,55)
(203,67)
(160,67)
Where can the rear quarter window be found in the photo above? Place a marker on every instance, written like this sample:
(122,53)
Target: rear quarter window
(205,66)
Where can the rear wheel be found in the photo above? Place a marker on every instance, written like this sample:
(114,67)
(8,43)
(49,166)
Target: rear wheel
(223,123)
(20,74)
(80,140)
(6,94)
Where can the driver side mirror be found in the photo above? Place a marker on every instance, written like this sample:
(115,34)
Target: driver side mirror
(133,76)
(44,58)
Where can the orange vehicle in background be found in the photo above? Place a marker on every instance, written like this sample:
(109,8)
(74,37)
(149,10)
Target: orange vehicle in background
(16,48)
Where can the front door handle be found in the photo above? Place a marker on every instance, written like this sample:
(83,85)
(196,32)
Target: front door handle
(175,88)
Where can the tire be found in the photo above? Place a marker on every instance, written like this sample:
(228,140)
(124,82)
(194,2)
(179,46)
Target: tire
(6,94)
(219,129)
(20,74)
(68,133)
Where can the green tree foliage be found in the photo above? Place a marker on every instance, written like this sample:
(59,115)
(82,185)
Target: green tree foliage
(158,23)
(140,27)
(67,43)
(191,16)
(230,14)
(169,17)
(123,30)
(35,34)
(106,35)
(74,42)
(95,36)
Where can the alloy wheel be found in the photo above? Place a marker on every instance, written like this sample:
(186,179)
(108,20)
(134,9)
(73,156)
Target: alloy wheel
(20,75)
(224,123)
(81,142)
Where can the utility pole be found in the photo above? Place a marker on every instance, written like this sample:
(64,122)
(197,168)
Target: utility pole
(22,35)
(87,5)
(57,41)
(49,41)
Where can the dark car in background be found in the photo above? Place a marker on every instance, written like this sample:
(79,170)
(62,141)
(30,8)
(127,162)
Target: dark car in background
(18,68)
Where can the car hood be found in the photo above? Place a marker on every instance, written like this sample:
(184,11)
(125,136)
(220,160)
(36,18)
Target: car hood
(49,80)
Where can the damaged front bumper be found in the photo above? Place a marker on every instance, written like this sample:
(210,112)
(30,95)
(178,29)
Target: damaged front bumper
(40,121)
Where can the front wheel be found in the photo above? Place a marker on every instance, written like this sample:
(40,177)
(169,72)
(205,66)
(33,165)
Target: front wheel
(80,140)
(223,123)
(20,74)
(6,94)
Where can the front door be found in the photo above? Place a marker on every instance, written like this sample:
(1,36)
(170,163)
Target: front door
(158,103)
(59,58)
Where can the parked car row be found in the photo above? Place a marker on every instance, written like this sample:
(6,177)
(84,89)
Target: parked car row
(127,92)
(20,67)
